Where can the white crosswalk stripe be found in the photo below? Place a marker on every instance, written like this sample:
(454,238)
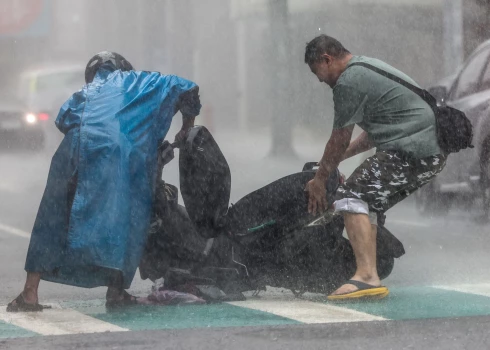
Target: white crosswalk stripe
(14,231)
(307,311)
(57,321)
(477,289)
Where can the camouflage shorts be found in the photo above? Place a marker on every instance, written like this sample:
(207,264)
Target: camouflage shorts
(388,177)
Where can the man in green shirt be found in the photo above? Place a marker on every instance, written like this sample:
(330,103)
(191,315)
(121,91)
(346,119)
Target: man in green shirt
(398,123)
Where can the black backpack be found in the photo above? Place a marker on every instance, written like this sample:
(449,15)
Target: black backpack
(453,128)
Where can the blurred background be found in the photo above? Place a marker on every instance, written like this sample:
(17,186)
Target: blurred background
(247,55)
(266,110)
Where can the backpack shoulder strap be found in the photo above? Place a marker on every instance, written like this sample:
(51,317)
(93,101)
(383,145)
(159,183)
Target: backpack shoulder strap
(424,94)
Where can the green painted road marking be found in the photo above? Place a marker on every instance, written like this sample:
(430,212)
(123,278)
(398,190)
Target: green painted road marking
(141,317)
(270,309)
(8,330)
(424,302)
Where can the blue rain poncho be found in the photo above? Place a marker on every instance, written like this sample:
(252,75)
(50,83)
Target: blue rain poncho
(94,216)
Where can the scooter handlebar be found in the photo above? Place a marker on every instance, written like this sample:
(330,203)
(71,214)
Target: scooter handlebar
(166,152)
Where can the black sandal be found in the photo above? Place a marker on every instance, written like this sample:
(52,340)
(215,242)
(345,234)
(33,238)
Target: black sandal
(126,300)
(20,305)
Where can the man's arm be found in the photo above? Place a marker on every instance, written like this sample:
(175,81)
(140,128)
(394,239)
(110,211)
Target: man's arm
(187,123)
(361,144)
(189,105)
(334,151)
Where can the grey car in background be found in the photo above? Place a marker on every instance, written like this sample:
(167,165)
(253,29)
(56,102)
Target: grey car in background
(45,89)
(465,180)
(21,127)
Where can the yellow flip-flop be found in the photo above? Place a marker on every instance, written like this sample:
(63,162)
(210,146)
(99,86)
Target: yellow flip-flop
(365,292)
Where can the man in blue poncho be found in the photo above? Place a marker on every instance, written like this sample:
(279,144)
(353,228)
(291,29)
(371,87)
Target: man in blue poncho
(93,220)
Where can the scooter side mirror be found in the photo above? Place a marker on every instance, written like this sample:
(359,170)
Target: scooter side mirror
(205,181)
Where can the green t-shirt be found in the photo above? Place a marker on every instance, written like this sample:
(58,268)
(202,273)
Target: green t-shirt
(394,117)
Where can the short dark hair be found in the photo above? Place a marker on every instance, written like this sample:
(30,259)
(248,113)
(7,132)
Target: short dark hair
(324,44)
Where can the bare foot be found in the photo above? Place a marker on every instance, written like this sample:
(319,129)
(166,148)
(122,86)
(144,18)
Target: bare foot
(19,304)
(30,296)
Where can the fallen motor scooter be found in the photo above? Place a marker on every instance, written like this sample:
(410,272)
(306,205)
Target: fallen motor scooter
(267,238)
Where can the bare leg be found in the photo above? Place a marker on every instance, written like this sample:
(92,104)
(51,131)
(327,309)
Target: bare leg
(115,289)
(31,287)
(116,293)
(362,236)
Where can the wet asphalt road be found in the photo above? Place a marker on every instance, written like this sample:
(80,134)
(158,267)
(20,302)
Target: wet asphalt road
(441,250)
(449,334)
